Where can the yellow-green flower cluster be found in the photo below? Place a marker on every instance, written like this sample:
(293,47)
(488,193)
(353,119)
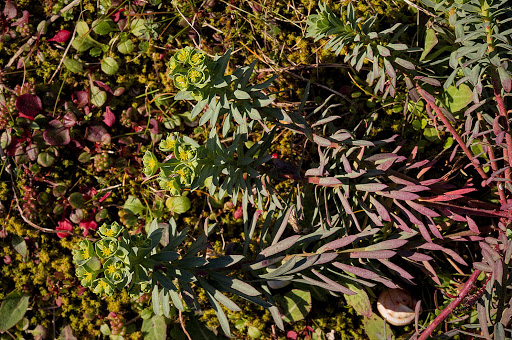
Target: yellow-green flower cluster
(188,68)
(179,171)
(106,256)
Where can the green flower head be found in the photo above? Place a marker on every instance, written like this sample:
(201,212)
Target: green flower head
(170,184)
(168,144)
(174,67)
(112,230)
(115,270)
(196,58)
(184,174)
(186,153)
(106,247)
(83,252)
(195,76)
(151,164)
(103,286)
(140,241)
(182,56)
(85,275)
(180,81)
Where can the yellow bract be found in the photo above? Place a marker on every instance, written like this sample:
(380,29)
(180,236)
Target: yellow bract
(111,269)
(106,251)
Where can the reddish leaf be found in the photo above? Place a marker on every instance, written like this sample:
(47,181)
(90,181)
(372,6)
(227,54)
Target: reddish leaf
(388,244)
(108,117)
(400,195)
(397,269)
(80,98)
(10,10)
(56,133)
(61,36)
(22,20)
(472,225)
(376,254)
(29,105)
(97,134)
(64,224)
(421,209)
(88,224)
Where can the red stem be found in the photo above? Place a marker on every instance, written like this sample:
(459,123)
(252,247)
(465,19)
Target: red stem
(507,153)
(449,309)
(454,133)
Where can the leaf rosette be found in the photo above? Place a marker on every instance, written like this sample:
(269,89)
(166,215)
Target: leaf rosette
(185,174)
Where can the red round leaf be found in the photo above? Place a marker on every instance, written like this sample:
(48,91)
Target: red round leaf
(61,36)
(108,117)
(29,105)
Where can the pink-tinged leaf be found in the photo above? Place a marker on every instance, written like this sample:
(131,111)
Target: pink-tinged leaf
(61,36)
(88,224)
(433,227)
(454,255)
(397,269)
(280,246)
(10,10)
(329,181)
(460,191)
(376,254)
(371,187)
(410,215)
(346,164)
(451,215)
(342,242)
(400,195)
(97,134)
(56,133)
(429,182)
(432,273)
(153,126)
(291,335)
(29,105)
(339,243)
(375,219)
(69,119)
(482,266)
(381,210)
(382,157)
(22,20)
(64,224)
(108,117)
(347,207)
(365,274)
(417,164)
(334,286)
(388,244)
(442,198)
(414,256)
(472,225)
(400,223)
(387,164)
(422,209)
(415,188)
(398,180)
(80,98)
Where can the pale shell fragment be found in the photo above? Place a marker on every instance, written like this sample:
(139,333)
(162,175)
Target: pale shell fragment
(396,306)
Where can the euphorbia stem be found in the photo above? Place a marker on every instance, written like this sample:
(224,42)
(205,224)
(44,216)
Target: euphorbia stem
(454,133)
(507,153)
(449,309)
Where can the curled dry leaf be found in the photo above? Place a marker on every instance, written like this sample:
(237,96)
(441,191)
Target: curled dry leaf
(396,306)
